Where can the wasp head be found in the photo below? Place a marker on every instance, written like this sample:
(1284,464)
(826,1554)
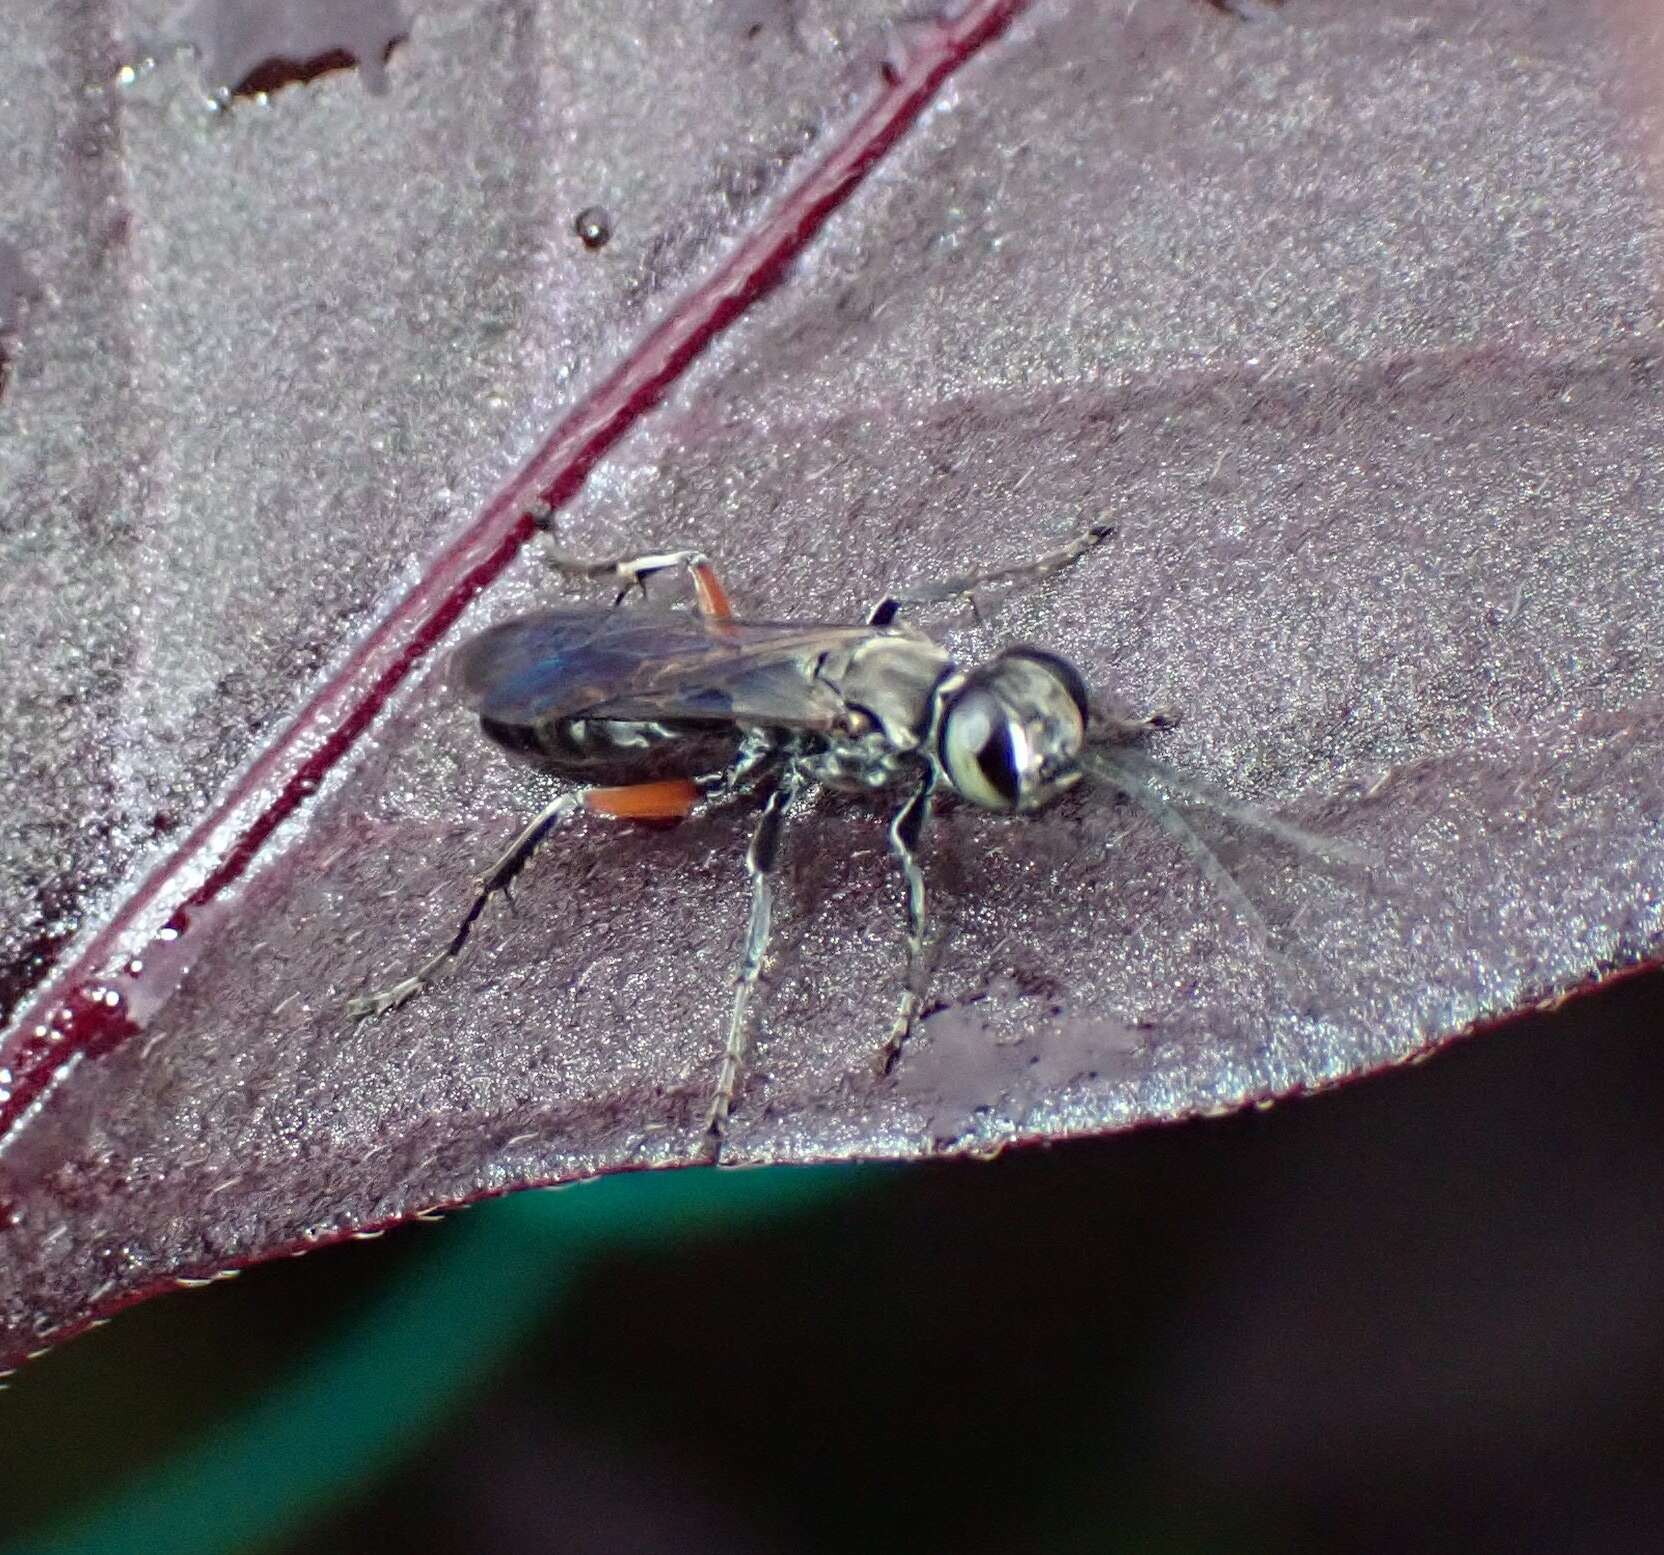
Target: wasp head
(1011,730)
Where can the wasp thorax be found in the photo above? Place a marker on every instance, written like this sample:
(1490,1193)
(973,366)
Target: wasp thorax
(1011,734)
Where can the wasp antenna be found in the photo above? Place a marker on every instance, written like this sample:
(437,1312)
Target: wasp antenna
(1112,770)
(1326,849)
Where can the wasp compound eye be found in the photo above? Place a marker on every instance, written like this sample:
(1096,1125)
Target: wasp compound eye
(1011,739)
(1053,664)
(980,750)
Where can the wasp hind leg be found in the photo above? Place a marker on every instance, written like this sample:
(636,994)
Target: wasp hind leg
(906,832)
(760,859)
(965,586)
(499,877)
(632,572)
(669,800)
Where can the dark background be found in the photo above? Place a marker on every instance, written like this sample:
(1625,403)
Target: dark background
(1421,1311)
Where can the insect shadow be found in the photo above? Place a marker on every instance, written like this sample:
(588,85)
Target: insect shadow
(655,711)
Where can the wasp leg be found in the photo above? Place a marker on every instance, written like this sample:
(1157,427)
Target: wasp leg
(669,800)
(760,859)
(497,878)
(965,587)
(632,572)
(906,831)
(758,751)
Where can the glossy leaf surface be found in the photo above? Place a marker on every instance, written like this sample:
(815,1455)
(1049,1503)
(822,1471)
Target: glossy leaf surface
(1345,318)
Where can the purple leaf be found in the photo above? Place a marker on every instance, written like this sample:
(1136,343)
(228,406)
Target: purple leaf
(17,289)
(1344,320)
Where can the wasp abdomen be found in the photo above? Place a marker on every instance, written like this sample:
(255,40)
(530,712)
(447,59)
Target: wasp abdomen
(618,750)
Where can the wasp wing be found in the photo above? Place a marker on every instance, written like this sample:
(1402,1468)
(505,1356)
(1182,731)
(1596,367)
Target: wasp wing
(639,664)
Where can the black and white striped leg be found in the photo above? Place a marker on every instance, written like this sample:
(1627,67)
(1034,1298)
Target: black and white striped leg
(760,859)
(497,878)
(758,751)
(965,587)
(632,572)
(906,832)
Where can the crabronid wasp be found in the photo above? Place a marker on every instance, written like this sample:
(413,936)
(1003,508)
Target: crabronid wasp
(657,710)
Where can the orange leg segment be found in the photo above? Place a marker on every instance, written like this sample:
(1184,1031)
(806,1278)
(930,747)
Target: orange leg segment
(713,597)
(630,571)
(672,799)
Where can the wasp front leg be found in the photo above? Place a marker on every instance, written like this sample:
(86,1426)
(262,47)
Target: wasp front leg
(760,860)
(1111,724)
(632,572)
(672,799)
(965,587)
(906,832)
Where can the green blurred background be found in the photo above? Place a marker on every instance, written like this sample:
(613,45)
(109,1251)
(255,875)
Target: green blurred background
(1424,1311)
